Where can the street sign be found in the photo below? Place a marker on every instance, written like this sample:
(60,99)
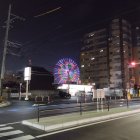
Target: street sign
(27,73)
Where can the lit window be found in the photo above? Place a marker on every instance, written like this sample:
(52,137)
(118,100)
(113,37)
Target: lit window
(92,35)
(101,50)
(82,54)
(82,66)
(92,58)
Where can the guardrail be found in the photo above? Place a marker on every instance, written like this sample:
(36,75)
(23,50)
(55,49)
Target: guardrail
(43,111)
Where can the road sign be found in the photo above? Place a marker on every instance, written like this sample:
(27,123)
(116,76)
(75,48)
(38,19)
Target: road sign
(27,73)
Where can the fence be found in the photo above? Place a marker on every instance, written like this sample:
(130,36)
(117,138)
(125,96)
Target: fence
(99,105)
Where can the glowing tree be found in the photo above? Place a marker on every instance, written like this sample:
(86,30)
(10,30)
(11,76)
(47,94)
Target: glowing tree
(66,71)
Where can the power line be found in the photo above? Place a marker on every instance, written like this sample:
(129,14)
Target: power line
(42,74)
(10,19)
(48,12)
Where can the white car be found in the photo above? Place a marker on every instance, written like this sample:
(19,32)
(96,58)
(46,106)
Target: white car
(80,93)
(89,93)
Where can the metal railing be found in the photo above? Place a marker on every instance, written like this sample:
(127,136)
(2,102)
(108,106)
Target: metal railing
(44,111)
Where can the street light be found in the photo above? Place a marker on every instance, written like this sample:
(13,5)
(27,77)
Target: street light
(133,64)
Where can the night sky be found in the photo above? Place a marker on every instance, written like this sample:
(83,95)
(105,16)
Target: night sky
(46,39)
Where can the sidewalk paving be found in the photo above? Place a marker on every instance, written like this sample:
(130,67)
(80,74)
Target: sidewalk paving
(60,122)
(5,103)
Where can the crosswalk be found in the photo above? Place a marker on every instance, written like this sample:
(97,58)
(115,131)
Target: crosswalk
(9,133)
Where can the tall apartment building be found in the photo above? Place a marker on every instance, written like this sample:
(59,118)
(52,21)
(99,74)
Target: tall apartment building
(106,54)
(94,58)
(136,54)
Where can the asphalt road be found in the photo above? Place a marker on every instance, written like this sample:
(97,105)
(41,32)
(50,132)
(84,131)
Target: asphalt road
(22,110)
(127,128)
(10,126)
(122,129)
(17,111)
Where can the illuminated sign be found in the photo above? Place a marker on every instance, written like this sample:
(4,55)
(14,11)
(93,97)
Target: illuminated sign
(27,73)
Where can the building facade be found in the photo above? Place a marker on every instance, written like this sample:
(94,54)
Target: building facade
(94,60)
(136,55)
(105,56)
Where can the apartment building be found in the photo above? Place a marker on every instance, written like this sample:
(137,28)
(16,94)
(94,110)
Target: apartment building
(94,63)
(136,54)
(106,54)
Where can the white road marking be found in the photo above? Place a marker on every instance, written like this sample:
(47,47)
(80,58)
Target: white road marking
(10,133)
(6,128)
(1,125)
(9,123)
(13,132)
(27,137)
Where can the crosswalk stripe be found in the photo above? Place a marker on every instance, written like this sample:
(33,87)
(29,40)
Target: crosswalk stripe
(6,128)
(9,123)
(10,133)
(1,125)
(27,137)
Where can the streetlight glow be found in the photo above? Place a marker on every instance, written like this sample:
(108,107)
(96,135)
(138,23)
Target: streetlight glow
(133,63)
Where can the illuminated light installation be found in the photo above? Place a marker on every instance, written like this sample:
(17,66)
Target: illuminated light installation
(66,71)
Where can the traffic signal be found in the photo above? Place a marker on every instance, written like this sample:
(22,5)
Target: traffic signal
(133,63)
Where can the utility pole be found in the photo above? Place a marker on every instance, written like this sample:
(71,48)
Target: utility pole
(6,43)
(5,50)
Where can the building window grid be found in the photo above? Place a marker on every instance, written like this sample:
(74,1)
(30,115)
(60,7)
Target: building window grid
(116,45)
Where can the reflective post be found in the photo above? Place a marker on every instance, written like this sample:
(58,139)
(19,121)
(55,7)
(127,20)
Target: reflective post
(20,91)
(80,108)
(97,104)
(38,115)
(102,106)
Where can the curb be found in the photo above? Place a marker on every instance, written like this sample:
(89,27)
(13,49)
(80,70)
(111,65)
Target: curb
(79,122)
(4,104)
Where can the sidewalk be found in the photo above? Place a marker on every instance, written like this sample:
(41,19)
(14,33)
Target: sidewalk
(4,103)
(60,122)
